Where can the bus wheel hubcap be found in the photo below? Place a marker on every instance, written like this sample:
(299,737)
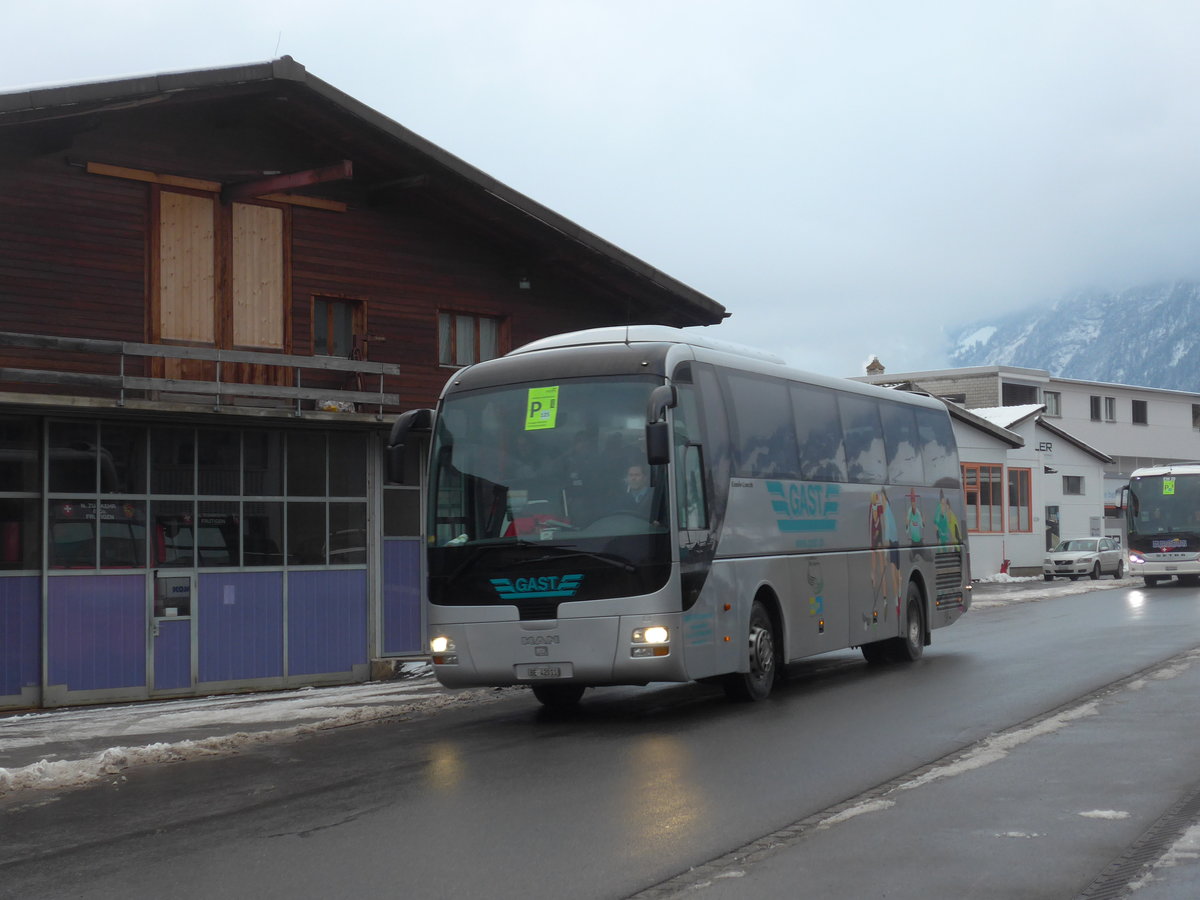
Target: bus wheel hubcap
(762,651)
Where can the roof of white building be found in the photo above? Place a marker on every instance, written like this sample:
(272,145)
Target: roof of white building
(1008,416)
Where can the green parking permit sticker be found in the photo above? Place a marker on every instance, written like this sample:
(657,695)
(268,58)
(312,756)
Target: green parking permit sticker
(542,409)
(1168,486)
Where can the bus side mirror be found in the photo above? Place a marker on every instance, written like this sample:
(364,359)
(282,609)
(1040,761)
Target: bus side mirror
(415,420)
(658,434)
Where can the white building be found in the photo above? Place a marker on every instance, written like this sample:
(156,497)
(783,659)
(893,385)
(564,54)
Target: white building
(1091,434)
(1055,489)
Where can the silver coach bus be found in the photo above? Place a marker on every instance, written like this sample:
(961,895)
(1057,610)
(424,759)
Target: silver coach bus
(630,505)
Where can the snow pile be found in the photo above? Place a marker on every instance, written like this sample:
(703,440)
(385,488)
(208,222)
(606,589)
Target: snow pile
(320,710)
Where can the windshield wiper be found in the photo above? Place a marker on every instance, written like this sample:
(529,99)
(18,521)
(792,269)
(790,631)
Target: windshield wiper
(477,550)
(606,558)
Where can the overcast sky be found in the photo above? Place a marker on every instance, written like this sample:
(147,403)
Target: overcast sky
(847,178)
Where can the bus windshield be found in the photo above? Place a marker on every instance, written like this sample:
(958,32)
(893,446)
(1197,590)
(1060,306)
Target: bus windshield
(543,462)
(1164,504)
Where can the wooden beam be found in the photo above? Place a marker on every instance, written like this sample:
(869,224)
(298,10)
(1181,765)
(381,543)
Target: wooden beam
(301,200)
(248,190)
(197,184)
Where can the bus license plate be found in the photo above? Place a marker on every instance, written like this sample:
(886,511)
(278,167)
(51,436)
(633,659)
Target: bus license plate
(538,671)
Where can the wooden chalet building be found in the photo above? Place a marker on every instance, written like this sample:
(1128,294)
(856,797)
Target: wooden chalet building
(218,288)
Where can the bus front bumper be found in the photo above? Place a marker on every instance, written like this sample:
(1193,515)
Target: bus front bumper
(1163,565)
(602,650)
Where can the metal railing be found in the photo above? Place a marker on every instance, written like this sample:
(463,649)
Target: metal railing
(121,382)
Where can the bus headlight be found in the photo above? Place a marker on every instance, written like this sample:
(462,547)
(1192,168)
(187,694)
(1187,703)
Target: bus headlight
(655,634)
(1136,558)
(651,641)
(442,649)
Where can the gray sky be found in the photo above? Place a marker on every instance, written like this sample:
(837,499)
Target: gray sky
(847,178)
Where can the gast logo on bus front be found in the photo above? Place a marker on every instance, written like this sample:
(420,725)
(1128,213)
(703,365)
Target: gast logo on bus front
(541,586)
(805,507)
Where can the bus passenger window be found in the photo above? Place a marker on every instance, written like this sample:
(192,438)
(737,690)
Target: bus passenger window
(693,507)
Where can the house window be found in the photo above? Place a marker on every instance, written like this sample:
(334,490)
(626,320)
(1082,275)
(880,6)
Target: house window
(335,323)
(983,486)
(1073,484)
(1110,409)
(1017,394)
(1095,409)
(1020,502)
(1196,415)
(1140,416)
(1053,401)
(465,339)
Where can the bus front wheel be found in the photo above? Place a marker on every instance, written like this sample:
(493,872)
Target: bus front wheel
(756,684)
(1151,580)
(558,696)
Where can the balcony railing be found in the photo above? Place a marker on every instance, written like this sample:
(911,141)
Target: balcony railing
(121,383)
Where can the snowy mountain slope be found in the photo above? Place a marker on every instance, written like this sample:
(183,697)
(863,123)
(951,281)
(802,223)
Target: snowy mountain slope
(1147,336)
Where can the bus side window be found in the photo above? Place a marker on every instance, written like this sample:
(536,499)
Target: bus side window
(693,506)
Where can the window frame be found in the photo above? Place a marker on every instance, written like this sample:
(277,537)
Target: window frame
(1053,403)
(1024,487)
(449,343)
(1141,412)
(995,479)
(1068,481)
(356,307)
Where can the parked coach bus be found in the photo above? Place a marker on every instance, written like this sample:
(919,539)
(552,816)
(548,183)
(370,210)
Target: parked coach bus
(1162,518)
(628,505)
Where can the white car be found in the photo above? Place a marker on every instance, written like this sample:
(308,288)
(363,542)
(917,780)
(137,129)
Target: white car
(1084,556)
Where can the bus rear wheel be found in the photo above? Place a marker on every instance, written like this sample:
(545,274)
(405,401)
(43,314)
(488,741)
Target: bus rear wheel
(558,696)
(756,684)
(909,646)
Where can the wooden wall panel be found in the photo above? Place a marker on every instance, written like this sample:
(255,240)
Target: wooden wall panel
(186,279)
(258,277)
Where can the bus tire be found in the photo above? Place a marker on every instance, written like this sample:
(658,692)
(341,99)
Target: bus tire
(1151,580)
(763,648)
(911,645)
(558,696)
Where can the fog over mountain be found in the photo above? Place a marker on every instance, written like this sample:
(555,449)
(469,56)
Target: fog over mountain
(1146,336)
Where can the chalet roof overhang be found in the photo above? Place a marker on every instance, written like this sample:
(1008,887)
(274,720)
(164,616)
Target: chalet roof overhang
(389,165)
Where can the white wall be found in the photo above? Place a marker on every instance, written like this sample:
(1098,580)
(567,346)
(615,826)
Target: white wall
(976,446)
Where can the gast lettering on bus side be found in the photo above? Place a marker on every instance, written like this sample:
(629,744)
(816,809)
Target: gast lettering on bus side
(805,507)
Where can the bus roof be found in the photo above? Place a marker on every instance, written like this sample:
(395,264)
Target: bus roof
(631,336)
(1180,468)
(640,334)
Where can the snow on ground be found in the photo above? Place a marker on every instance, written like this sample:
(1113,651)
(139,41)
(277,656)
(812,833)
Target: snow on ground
(1057,588)
(219,723)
